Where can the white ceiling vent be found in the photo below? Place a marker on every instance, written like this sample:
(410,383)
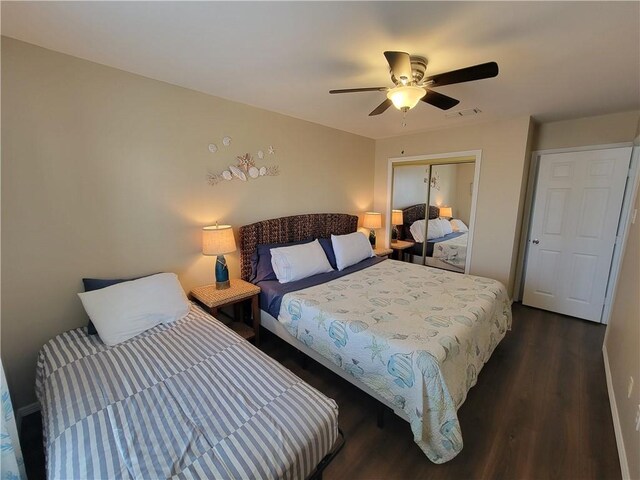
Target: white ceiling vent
(463,113)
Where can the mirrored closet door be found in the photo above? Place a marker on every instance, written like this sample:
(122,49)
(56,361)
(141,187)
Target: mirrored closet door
(431,210)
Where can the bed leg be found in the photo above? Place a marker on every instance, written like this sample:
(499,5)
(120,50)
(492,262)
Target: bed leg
(304,360)
(381,409)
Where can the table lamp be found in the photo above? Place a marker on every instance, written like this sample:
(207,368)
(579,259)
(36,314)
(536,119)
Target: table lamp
(445,212)
(218,240)
(372,220)
(396,219)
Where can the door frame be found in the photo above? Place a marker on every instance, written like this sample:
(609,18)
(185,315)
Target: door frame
(434,159)
(623,223)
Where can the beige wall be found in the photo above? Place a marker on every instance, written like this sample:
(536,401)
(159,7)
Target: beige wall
(104,174)
(409,187)
(464,178)
(504,165)
(445,195)
(597,130)
(623,345)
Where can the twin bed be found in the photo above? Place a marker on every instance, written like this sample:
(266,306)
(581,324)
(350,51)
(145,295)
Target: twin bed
(187,400)
(193,399)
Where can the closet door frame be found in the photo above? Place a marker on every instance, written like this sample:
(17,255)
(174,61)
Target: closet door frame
(467,156)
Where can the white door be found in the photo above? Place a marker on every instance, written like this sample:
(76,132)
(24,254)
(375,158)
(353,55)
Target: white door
(573,230)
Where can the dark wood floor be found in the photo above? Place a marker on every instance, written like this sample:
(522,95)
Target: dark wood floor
(540,410)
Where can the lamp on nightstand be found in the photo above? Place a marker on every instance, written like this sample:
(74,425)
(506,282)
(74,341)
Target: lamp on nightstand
(445,212)
(372,220)
(396,219)
(218,240)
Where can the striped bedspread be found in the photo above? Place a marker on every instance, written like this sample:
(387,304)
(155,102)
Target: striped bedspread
(188,400)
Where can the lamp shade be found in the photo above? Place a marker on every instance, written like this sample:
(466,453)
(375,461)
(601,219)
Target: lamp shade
(372,220)
(218,240)
(396,217)
(406,97)
(446,212)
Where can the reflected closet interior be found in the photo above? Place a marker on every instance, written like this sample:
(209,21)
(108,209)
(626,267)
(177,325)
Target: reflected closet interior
(431,210)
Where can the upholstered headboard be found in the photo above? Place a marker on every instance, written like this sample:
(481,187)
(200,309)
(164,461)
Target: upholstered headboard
(414,213)
(291,229)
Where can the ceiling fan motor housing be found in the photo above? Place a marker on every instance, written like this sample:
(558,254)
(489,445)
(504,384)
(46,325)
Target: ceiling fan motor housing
(418,67)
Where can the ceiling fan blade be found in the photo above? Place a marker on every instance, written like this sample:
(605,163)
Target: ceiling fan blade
(469,74)
(439,100)
(400,63)
(381,108)
(352,90)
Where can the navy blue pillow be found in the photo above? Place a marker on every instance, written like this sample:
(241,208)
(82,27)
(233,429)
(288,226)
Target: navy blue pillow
(91,284)
(327,246)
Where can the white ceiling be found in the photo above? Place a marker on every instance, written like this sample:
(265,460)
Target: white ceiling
(557,60)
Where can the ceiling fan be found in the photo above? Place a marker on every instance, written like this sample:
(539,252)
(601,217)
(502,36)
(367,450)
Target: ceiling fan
(411,86)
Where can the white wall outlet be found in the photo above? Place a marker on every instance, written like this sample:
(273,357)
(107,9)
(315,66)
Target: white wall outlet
(630,387)
(638,419)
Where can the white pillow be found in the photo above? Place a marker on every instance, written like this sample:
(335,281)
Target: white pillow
(351,249)
(435,229)
(299,261)
(445,226)
(458,225)
(124,310)
(417,230)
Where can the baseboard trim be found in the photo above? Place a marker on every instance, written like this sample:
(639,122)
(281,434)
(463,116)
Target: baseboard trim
(622,453)
(24,411)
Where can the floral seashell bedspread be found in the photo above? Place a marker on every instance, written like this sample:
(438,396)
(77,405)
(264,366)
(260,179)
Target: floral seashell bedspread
(418,336)
(453,251)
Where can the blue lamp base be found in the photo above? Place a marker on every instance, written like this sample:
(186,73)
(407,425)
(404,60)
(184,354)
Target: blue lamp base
(372,237)
(222,273)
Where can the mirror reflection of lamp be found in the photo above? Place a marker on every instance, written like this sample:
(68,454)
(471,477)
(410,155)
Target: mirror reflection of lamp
(396,219)
(218,240)
(445,212)
(372,220)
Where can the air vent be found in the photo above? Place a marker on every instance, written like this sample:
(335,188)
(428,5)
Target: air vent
(463,113)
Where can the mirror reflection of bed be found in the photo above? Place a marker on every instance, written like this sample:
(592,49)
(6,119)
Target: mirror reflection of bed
(448,190)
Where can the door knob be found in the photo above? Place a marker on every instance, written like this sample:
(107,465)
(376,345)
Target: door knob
(536,241)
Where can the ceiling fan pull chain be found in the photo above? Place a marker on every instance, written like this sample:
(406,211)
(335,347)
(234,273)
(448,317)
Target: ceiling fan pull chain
(404,118)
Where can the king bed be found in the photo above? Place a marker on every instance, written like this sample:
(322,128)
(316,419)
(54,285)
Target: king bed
(413,337)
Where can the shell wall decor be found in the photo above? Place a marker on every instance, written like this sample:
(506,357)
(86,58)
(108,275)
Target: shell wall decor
(244,170)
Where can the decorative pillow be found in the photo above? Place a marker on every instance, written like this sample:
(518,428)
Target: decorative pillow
(350,249)
(299,261)
(445,226)
(91,284)
(261,268)
(458,225)
(124,310)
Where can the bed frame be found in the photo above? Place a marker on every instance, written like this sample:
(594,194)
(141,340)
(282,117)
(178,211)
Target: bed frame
(293,229)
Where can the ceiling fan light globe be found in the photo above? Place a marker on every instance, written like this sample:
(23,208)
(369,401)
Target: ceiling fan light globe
(406,97)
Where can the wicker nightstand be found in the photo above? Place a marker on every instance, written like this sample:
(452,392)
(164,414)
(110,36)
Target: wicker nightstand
(400,248)
(382,252)
(212,300)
